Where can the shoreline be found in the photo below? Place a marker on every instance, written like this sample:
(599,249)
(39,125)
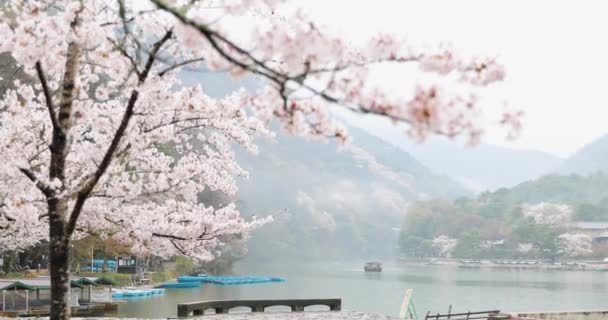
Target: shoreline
(507,264)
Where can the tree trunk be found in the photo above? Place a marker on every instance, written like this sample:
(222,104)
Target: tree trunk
(9,261)
(59,247)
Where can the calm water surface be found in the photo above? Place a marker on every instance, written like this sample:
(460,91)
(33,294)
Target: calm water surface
(435,288)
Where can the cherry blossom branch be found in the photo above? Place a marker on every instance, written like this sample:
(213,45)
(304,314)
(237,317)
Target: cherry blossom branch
(120,49)
(84,193)
(47,94)
(46,189)
(180,64)
(178,247)
(282,80)
(420,113)
(213,36)
(155,49)
(173,237)
(172,122)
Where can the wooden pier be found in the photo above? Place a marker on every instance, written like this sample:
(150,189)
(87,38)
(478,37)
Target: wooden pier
(224,306)
(490,315)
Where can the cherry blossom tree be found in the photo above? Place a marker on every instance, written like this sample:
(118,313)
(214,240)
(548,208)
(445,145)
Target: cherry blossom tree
(525,247)
(574,245)
(548,213)
(107,140)
(445,245)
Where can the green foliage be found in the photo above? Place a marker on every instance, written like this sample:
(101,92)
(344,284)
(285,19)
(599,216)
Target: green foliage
(83,250)
(414,246)
(183,265)
(571,189)
(120,279)
(468,245)
(592,212)
(158,277)
(493,225)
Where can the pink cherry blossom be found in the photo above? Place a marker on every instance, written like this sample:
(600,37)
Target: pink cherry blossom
(106,138)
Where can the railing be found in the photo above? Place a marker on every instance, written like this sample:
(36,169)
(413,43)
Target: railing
(223,306)
(493,315)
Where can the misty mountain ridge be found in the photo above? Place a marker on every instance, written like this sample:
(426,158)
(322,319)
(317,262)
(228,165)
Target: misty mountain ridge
(330,200)
(480,168)
(591,158)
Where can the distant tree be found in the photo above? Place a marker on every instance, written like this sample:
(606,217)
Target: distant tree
(445,245)
(574,245)
(94,247)
(548,213)
(414,246)
(591,212)
(469,245)
(525,248)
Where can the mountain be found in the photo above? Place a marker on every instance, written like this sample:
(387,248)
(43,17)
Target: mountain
(591,158)
(571,189)
(332,201)
(480,168)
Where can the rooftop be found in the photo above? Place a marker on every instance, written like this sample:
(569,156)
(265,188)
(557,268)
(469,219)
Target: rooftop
(44,283)
(590,225)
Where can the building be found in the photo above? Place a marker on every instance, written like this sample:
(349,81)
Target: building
(126,264)
(597,230)
(591,228)
(31,296)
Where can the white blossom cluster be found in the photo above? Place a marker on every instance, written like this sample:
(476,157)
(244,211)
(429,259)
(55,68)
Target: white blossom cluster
(445,245)
(548,213)
(574,245)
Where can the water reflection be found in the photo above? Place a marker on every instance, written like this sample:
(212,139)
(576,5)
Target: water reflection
(435,289)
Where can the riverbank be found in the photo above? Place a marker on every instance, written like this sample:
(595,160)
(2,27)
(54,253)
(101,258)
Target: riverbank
(561,315)
(505,264)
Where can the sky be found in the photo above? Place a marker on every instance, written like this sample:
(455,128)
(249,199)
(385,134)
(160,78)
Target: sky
(555,52)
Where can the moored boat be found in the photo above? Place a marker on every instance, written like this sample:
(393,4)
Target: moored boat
(130,292)
(171,285)
(373,266)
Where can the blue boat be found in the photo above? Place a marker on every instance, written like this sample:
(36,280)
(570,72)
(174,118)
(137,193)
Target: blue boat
(172,285)
(130,293)
(227,280)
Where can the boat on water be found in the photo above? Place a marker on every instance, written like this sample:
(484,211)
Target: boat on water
(174,285)
(373,266)
(228,280)
(130,292)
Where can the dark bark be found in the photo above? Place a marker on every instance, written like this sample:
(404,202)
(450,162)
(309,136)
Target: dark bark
(59,246)
(9,261)
(59,238)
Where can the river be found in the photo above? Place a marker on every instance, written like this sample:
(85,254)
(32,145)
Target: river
(435,288)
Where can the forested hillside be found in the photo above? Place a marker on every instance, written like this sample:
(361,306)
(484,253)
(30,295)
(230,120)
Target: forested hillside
(588,194)
(524,221)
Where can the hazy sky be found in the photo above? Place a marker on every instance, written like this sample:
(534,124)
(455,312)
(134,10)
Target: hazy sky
(556,53)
